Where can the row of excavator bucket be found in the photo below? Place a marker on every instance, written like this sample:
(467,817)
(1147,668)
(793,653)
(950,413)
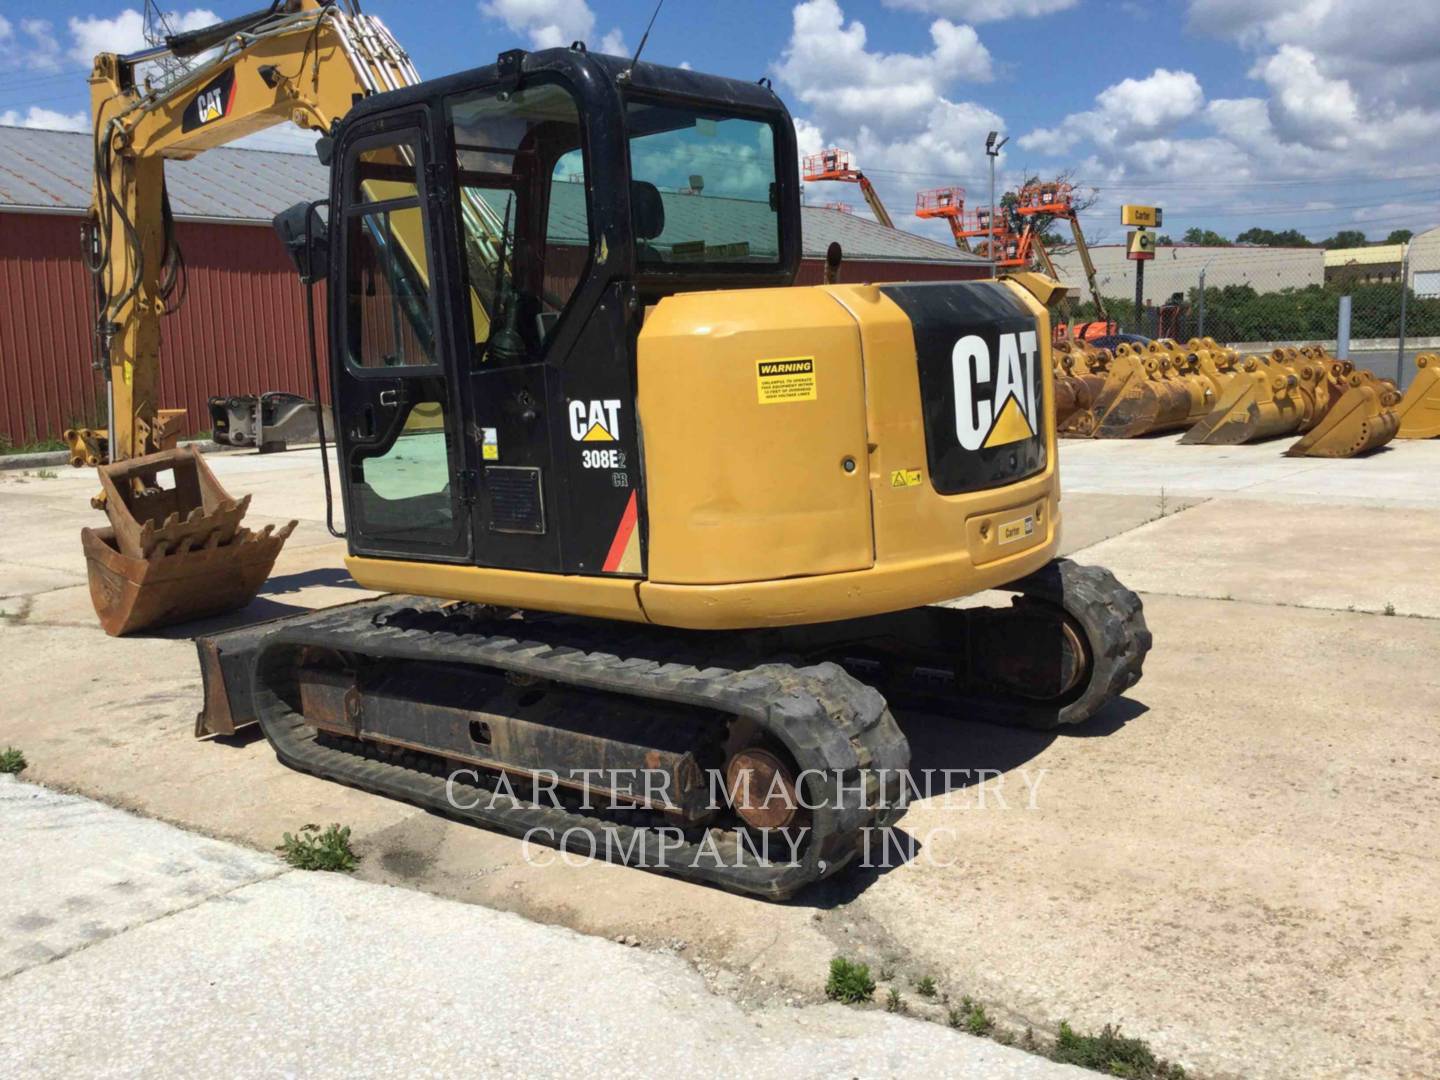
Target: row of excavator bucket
(1223,400)
(173,553)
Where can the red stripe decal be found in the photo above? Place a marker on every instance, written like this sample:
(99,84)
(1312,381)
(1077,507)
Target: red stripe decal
(622,536)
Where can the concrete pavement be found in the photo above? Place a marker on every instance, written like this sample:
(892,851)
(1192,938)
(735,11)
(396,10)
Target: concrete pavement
(1236,862)
(134,948)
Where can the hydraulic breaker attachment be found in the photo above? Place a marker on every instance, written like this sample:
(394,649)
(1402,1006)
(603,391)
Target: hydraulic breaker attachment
(1358,422)
(1139,398)
(172,553)
(1263,401)
(1419,409)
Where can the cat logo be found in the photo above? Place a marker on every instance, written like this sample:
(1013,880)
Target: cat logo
(996,402)
(595,421)
(211,103)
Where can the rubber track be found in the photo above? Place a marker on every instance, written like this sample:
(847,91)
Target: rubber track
(1113,620)
(828,721)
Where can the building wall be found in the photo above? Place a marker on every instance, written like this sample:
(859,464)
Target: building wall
(239,330)
(1177,269)
(1425,264)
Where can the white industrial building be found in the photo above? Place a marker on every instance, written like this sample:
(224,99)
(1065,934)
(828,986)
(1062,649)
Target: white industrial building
(1177,268)
(1424,263)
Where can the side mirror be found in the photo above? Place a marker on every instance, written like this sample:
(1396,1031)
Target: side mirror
(306,237)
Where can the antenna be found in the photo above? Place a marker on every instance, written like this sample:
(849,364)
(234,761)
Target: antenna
(645,36)
(157,28)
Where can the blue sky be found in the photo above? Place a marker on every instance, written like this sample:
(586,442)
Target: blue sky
(1309,114)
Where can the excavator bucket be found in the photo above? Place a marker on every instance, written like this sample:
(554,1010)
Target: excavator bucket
(1079,379)
(173,553)
(1139,398)
(1262,401)
(1357,423)
(1419,409)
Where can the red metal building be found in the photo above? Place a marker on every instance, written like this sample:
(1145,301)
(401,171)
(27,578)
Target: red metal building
(241,326)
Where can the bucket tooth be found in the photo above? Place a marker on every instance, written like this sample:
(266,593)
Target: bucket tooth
(1357,423)
(175,553)
(1419,409)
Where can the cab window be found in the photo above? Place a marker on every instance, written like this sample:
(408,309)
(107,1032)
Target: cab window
(523,216)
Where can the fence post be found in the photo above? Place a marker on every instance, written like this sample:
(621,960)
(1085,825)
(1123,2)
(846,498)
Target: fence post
(1404,292)
(1200,328)
(1342,331)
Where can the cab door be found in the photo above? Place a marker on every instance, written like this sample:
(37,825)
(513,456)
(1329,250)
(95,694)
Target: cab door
(397,419)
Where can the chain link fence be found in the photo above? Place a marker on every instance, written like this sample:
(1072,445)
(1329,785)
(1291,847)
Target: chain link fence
(1380,306)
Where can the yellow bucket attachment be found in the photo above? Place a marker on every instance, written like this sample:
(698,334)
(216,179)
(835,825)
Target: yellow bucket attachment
(1183,367)
(1264,400)
(1079,377)
(174,553)
(1140,396)
(1419,409)
(1358,422)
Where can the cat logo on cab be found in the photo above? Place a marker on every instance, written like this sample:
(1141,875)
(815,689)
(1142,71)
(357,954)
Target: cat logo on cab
(996,397)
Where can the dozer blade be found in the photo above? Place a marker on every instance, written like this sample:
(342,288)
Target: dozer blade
(1358,422)
(1419,409)
(175,553)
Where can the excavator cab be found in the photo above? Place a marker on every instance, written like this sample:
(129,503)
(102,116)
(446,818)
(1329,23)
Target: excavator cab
(494,242)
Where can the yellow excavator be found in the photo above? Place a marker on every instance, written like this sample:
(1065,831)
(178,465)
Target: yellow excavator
(663,537)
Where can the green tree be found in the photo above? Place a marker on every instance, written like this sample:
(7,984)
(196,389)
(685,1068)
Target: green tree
(1346,238)
(1270,238)
(1399,236)
(1204,238)
(1164,240)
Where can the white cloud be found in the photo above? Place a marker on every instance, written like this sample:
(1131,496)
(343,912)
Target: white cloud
(830,69)
(125,33)
(1127,112)
(977,11)
(890,110)
(31,46)
(552,24)
(1391,54)
(49,119)
(613,44)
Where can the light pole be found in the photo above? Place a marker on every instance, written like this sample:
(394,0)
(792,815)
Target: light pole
(992,150)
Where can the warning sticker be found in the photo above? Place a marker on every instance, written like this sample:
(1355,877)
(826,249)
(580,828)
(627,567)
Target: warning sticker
(1018,529)
(489,444)
(790,379)
(903,478)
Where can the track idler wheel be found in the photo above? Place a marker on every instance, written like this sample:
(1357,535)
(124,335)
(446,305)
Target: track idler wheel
(761,788)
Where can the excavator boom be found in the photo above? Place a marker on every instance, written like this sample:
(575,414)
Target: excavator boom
(167,559)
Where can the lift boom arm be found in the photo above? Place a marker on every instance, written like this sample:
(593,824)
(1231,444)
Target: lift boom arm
(302,62)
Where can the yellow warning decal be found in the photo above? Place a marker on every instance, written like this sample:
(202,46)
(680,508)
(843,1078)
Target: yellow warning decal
(1019,529)
(903,478)
(788,379)
(597,433)
(1010,426)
